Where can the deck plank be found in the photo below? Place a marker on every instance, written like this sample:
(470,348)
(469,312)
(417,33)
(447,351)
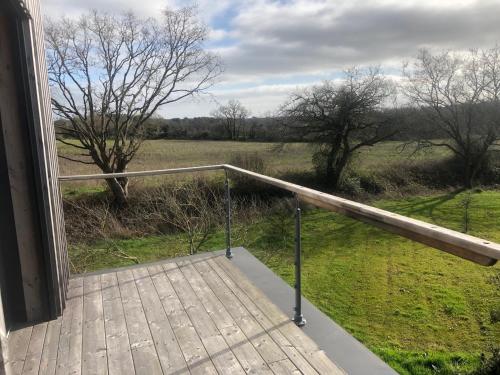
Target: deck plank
(185,316)
(94,353)
(143,350)
(75,305)
(316,357)
(293,353)
(18,343)
(222,357)
(285,367)
(66,359)
(261,340)
(194,352)
(34,353)
(245,352)
(118,346)
(64,340)
(48,360)
(170,354)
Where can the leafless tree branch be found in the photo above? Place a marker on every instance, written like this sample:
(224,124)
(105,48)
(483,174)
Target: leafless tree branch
(109,74)
(459,94)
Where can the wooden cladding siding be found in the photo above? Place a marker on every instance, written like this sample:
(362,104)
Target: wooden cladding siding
(33,259)
(52,209)
(22,238)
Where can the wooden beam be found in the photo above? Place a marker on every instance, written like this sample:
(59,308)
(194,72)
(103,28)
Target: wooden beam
(429,239)
(468,247)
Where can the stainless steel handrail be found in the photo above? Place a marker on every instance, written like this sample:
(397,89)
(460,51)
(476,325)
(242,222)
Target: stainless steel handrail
(475,249)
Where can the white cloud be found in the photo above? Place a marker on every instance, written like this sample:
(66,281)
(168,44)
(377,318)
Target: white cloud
(306,36)
(74,8)
(297,42)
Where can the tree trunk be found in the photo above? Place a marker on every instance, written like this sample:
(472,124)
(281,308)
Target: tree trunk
(335,178)
(469,168)
(339,169)
(467,178)
(335,165)
(119,188)
(329,168)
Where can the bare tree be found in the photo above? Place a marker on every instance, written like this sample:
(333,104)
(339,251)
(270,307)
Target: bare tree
(233,116)
(459,94)
(340,118)
(109,74)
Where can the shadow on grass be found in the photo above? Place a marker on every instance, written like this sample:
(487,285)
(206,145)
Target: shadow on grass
(424,207)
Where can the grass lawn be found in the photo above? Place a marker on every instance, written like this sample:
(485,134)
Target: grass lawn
(423,311)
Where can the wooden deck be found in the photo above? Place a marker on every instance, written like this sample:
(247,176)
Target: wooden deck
(198,316)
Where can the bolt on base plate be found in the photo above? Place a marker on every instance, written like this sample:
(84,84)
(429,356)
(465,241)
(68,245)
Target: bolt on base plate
(299,321)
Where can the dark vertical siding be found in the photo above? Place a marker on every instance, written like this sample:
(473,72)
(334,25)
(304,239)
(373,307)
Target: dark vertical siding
(23,238)
(33,256)
(49,191)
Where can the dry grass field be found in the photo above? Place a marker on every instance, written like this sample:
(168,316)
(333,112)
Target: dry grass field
(279,159)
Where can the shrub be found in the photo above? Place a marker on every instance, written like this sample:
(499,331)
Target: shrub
(495,315)
(244,185)
(371,184)
(249,160)
(350,184)
(93,217)
(413,177)
(194,208)
(489,366)
(448,172)
(278,230)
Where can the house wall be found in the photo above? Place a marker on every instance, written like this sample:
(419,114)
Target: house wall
(19,175)
(33,260)
(49,162)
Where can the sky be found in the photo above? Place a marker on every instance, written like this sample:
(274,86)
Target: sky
(271,48)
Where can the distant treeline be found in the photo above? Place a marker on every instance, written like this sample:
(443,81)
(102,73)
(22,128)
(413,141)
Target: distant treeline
(209,128)
(407,124)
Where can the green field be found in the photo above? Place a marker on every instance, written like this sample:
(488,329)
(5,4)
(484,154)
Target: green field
(423,311)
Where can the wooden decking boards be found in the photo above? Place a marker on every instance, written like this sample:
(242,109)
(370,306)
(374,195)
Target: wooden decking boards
(198,316)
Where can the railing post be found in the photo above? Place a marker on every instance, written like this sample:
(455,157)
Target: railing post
(298,318)
(229,254)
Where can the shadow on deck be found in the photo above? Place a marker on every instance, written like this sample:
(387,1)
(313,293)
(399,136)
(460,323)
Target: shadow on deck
(190,315)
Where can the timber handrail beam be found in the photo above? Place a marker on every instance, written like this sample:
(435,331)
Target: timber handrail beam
(465,246)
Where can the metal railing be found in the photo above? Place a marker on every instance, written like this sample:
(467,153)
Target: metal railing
(475,249)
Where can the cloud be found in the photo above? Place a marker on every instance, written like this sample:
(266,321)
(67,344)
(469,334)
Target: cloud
(74,8)
(271,46)
(260,99)
(311,36)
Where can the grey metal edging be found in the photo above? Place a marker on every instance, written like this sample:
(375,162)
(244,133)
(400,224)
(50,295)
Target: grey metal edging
(342,348)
